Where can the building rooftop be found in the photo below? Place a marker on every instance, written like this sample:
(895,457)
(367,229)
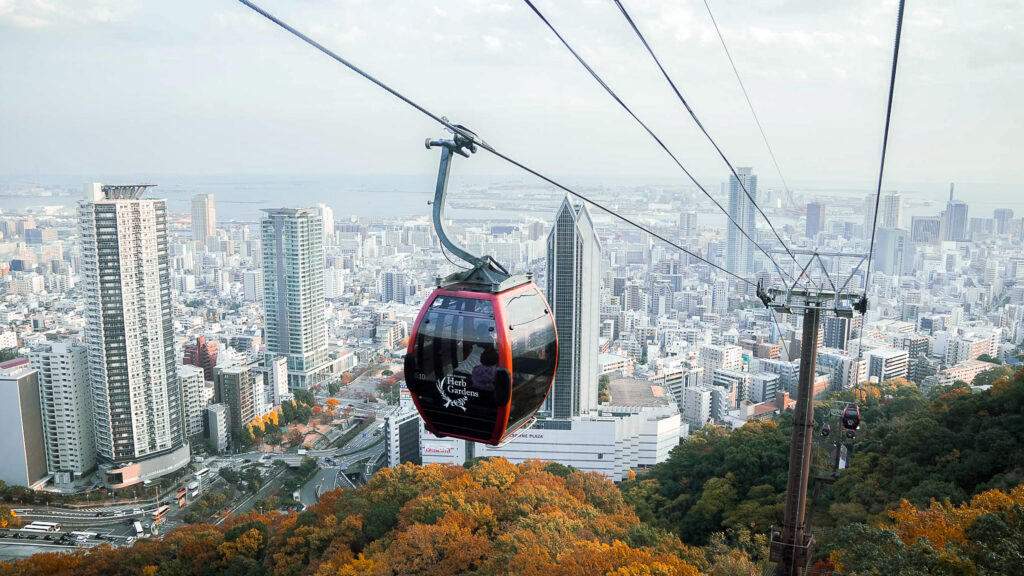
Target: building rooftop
(631,392)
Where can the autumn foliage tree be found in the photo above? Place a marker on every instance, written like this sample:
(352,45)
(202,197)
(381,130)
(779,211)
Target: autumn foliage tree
(490,517)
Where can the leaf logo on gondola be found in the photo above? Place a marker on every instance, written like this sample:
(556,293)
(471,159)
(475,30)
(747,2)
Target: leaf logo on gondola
(460,403)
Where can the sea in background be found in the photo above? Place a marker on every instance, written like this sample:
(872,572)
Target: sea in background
(241,197)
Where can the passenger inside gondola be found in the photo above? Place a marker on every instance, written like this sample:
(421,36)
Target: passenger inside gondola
(483,374)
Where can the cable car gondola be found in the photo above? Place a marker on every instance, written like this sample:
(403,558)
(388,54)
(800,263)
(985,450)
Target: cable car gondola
(851,420)
(483,352)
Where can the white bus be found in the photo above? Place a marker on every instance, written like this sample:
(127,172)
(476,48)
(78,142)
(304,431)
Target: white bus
(83,535)
(46,526)
(31,528)
(138,528)
(199,474)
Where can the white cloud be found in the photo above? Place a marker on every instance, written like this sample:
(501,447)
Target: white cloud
(492,43)
(46,13)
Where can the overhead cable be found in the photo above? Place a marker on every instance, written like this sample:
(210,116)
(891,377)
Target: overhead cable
(696,120)
(885,144)
(663,146)
(473,137)
(785,186)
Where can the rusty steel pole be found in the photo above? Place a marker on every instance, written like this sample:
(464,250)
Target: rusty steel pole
(793,548)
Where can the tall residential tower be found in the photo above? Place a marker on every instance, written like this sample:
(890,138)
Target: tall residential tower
(66,403)
(739,256)
(130,340)
(204,218)
(293,292)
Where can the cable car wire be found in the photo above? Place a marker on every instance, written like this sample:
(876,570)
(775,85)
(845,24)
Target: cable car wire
(473,137)
(743,88)
(881,166)
(663,146)
(696,120)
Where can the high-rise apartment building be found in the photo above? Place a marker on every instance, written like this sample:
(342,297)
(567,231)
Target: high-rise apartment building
(393,287)
(202,354)
(836,330)
(293,292)
(204,218)
(241,389)
(925,229)
(129,336)
(65,399)
(697,406)
(815,219)
(739,256)
(688,224)
(327,218)
(954,219)
(193,398)
(713,357)
(252,285)
(894,253)
(1002,217)
(21,425)
(888,363)
(891,215)
(218,426)
(574,264)
(402,438)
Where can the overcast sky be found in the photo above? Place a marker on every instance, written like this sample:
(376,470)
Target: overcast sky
(207,86)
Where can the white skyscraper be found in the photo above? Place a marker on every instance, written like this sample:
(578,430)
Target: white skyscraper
(891,211)
(130,340)
(327,216)
(739,257)
(65,399)
(293,292)
(204,218)
(573,282)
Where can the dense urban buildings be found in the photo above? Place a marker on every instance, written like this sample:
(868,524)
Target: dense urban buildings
(654,343)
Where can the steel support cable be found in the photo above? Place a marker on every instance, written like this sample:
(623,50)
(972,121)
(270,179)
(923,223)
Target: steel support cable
(743,88)
(471,136)
(782,337)
(700,125)
(881,166)
(663,146)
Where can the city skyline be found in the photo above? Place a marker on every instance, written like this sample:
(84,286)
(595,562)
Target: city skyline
(289,316)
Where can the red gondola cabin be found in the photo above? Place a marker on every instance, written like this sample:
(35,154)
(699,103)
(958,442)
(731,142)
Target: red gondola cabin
(851,418)
(480,364)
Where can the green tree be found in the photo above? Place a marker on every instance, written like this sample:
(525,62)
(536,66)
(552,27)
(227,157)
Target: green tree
(988,377)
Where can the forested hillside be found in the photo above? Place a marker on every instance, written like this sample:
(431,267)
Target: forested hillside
(953,446)
(489,518)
